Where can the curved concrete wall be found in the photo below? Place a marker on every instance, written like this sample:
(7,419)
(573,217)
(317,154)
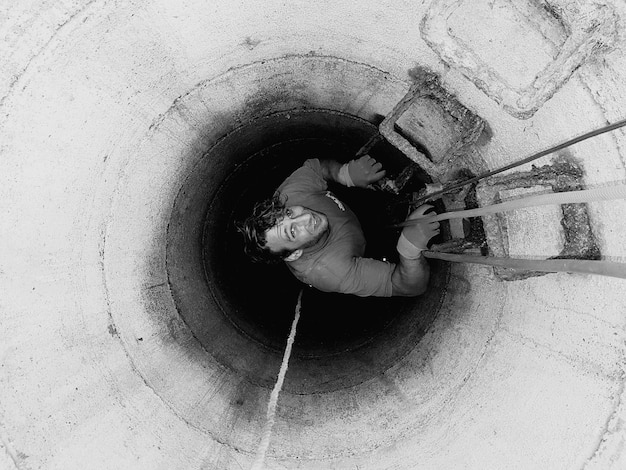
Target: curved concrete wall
(107,107)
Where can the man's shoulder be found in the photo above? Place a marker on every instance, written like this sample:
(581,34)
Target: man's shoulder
(308,178)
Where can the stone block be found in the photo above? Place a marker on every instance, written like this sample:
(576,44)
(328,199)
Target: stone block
(542,232)
(440,123)
(518,52)
(533,232)
(430,126)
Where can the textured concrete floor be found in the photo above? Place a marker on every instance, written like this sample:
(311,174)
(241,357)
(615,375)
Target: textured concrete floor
(106,109)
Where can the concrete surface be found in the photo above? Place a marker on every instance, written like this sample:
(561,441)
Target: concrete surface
(106,108)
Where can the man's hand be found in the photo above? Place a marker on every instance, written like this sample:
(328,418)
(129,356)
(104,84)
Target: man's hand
(414,238)
(361,172)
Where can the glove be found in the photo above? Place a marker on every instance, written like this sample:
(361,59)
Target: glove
(361,172)
(414,238)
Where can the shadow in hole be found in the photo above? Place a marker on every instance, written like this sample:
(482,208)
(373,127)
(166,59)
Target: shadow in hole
(266,303)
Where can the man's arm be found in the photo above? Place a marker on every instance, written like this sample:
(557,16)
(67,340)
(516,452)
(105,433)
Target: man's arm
(411,275)
(361,172)
(330,170)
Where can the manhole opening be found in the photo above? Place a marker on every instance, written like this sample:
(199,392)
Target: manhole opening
(260,299)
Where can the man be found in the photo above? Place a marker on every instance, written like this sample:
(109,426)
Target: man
(320,238)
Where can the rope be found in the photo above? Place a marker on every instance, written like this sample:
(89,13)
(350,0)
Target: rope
(271,406)
(603,268)
(568,197)
(529,159)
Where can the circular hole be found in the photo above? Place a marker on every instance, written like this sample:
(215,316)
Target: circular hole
(361,335)
(261,298)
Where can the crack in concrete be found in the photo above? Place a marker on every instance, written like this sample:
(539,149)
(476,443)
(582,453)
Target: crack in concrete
(579,363)
(609,425)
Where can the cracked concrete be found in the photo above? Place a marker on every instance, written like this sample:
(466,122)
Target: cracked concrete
(610,449)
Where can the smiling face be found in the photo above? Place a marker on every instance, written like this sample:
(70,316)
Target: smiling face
(300,228)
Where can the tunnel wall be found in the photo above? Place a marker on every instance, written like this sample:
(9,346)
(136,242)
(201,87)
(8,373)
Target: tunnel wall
(106,109)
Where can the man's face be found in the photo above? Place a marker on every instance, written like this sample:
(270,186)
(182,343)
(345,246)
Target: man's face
(300,228)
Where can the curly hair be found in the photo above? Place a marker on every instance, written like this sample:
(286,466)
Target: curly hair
(264,216)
